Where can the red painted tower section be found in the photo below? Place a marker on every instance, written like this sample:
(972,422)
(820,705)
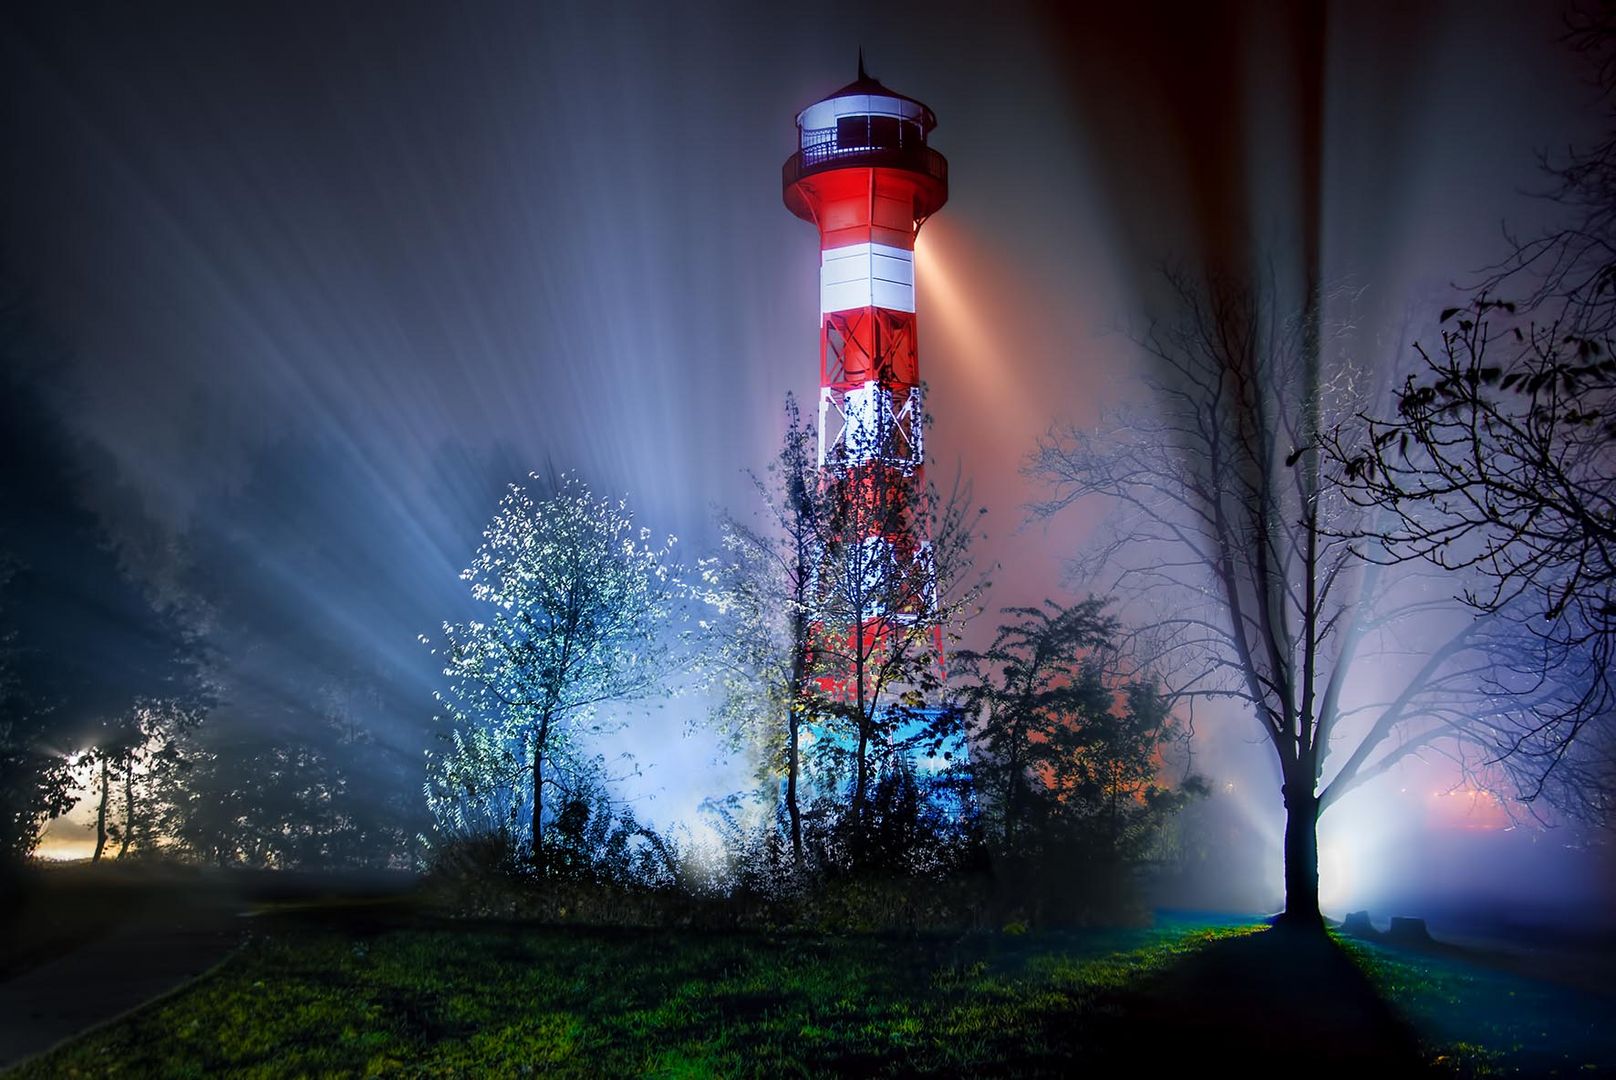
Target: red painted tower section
(865,177)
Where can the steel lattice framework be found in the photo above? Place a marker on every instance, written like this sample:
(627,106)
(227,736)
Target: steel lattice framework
(865,177)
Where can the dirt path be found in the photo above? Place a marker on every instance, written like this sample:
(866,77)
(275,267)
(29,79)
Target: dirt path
(153,955)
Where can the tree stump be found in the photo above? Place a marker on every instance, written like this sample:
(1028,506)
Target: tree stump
(1358,924)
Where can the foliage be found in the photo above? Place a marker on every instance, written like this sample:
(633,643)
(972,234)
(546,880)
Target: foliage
(882,611)
(830,617)
(127,771)
(84,643)
(915,836)
(1067,760)
(1020,693)
(35,786)
(287,810)
(764,591)
(295,807)
(579,612)
(602,867)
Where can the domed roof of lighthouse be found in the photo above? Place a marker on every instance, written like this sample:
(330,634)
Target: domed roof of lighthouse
(865,95)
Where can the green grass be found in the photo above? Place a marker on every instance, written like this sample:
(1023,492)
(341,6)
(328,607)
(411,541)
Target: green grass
(1481,1021)
(513,1001)
(564,1002)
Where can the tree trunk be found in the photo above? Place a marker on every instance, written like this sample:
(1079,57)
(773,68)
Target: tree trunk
(101,813)
(540,744)
(128,805)
(799,675)
(1116,795)
(1301,856)
(861,771)
(791,791)
(538,809)
(861,777)
(1010,789)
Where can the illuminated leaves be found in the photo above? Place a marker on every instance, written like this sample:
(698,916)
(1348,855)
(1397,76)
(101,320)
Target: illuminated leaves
(580,611)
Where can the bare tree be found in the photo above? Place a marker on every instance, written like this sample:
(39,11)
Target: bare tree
(1502,469)
(1500,461)
(1227,544)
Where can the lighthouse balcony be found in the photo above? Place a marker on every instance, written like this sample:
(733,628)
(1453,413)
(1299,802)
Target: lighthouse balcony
(824,155)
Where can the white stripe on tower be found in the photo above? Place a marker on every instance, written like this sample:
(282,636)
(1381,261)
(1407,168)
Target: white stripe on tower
(866,275)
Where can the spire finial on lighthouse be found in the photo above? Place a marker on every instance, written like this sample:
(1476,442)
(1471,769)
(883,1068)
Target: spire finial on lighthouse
(865,177)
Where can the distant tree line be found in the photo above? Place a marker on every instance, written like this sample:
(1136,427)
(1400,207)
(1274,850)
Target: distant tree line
(148,696)
(97,674)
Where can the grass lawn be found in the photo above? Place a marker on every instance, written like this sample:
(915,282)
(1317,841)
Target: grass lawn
(519,1000)
(1477,1020)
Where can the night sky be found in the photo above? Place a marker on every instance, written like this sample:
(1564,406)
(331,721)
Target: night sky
(319,278)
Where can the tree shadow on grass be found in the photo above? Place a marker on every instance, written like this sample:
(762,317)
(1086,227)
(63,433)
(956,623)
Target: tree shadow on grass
(1279,1000)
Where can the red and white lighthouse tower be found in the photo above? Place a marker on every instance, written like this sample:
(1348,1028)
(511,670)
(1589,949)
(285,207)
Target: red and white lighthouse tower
(865,177)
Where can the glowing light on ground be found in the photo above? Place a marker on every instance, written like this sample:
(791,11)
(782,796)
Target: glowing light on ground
(1350,857)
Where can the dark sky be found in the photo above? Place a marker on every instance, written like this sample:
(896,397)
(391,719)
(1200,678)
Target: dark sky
(559,227)
(551,235)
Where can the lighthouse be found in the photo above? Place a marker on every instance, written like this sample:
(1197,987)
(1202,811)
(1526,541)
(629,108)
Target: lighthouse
(865,177)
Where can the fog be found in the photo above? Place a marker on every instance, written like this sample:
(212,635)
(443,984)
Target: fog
(307,286)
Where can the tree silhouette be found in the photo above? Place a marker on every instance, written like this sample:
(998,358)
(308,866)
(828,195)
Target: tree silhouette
(1228,540)
(1500,461)
(1019,693)
(84,643)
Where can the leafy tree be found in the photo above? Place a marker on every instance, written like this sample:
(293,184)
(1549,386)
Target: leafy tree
(1019,692)
(1105,770)
(35,787)
(580,611)
(1228,540)
(162,733)
(290,808)
(907,831)
(833,615)
(894,585)
(1069,759)
(598,840)
(131,752)
(766,593)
